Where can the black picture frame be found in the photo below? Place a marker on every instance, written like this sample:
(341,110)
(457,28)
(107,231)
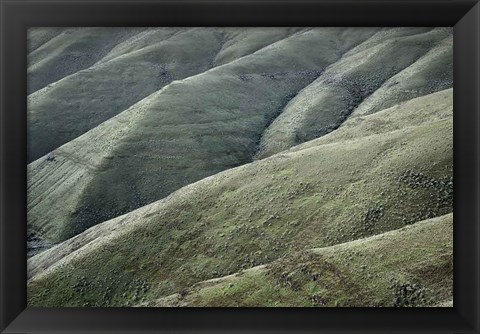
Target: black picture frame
(17,15)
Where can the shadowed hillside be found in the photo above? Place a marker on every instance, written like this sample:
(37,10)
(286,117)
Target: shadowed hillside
(318,196)
(57,52)
(326,103)
(242,167)
(69,107)
(178,135)
(201,125)
(390,269)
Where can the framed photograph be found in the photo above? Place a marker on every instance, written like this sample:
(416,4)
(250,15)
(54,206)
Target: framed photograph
(240,166)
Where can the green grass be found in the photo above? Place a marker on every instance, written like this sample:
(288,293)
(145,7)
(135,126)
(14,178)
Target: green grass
(164,204)
(363,273)
(89,96)
(223,224)
(58,52)
(184,132)
(327,102)
(179,135)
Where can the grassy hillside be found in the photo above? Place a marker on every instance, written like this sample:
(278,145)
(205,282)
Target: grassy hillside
(175,136)
(55,53)
(69,107)
(201,125)
(242,42)
(240,167)
(430,73)
(115,70)
(418,111)
(328,101)
(38,36)
(391,269)
(314,197)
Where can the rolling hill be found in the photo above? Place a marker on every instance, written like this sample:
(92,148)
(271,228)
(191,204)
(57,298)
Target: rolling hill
(184,132)
(263,167)
(367,272)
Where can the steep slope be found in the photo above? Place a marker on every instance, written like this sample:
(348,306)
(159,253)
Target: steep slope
(412,266)
(145,39)
(433,72)
(241,42)
(326,103)
(58,52)
(314,197)
(418,111)
(188,130)
(36,37)
(146,62)
(83,100)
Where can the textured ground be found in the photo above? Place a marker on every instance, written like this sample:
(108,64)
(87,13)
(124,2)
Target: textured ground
(240,167)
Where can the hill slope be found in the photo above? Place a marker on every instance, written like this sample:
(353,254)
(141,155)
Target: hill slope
(326,103)
(240,167)
(69,107)
(58,52)
(391,269)
(198,126)
(318,196)
(177,135)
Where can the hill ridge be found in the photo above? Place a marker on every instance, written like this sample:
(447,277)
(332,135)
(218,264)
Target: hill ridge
(193,295)
(242,167)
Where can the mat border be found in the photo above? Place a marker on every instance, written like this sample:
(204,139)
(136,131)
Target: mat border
(16,16)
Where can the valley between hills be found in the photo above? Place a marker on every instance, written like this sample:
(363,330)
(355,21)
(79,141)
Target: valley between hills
(240,167)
